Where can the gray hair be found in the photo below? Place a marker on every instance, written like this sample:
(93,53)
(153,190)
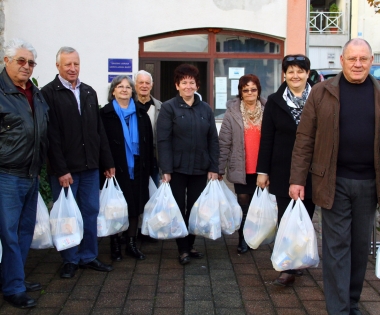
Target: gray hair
(10,49)
(64,50)
(143,72)
(356,41)
(116,81)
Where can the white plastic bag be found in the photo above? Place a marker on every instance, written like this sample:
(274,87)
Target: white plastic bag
(42,234)
(162,217)
(205,217)
(237,213)
(261,222)
(378,263)
(1,251)
(113,212)
(152,187)
(66,221)
(295,246)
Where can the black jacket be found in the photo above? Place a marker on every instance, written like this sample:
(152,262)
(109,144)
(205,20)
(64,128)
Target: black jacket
(77,140)
(23,138)
(278,134)
(187,138)
(135,191)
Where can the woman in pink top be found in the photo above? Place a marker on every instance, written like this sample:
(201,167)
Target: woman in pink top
(239,141)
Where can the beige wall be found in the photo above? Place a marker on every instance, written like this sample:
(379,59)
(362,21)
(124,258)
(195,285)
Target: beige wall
(296,27)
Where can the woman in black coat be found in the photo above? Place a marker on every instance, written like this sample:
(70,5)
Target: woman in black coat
(131,144)
(281,116)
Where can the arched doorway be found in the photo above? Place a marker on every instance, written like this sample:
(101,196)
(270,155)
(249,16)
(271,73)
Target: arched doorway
(221,56)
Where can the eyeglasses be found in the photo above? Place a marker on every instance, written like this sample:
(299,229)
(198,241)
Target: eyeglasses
(295,58)
(122,87)
(249,90)
(354,59)
(22,62)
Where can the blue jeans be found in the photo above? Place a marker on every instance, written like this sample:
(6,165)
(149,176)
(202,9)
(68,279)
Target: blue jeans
(86,192)
(18,205)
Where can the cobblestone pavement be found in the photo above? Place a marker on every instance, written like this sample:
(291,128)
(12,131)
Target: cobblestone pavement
(223,282)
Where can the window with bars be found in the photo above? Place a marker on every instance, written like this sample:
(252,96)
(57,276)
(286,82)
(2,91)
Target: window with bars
(376,57)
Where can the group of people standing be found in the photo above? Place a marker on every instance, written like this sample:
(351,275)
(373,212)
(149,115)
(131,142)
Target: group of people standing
(322,140)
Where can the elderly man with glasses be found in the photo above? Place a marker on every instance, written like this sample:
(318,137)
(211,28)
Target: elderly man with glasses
(23,147)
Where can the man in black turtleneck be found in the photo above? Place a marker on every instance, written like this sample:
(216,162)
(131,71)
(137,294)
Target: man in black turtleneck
(338,141)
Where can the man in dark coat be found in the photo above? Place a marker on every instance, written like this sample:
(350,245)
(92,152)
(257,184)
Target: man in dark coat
(78,144)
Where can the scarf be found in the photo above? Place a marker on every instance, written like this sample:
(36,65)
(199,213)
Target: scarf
(252,118)
(130,131)
(296,103)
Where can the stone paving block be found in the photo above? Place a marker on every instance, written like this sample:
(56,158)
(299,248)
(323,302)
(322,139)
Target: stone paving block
(230,311)
(245,269)
(115,285)
(53,299)
(287,301)
(269,275)
(171,274)
(217,254)
(170,286)
(315,307)
(144,280)
(196,269)
(45,268)
(227,299)
(369,294)
(77,307)
(290,311)
(121,274)
(147,269)
(225,286)
(375,284)
(197,280)
(193,293)
(85,292)
(7,309)
(111,300)
(166,311)
(107,311)
(92,278)
(222,274)
(61,285)
(316,273)
(170,254)
(248,280)
(42,311)
(259,307)
(171,263)
(372,308)
(44,279)
(138,307)
(199,307)
(169,300)
(310,293)
(141,292)
(370,275)
(306,281)
(257,293)
(220,264)
(240,258)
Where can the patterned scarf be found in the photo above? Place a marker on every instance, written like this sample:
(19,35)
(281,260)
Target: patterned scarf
(298,102)
(252,118)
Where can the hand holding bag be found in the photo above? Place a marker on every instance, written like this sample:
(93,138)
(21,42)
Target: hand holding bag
(42,234)
(66,221)
(162,217)
(237,213)
(205,214)
(261,222)
(295,246)
(113,211)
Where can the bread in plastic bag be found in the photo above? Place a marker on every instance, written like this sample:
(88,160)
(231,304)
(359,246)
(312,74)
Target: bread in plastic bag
(237,213)
(296,245)
(211,214)
(42,235)
(162,218)
(261,223)
(113,211)
(66,221)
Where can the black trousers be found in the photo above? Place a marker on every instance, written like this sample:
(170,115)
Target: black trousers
(186,190)
(346,234)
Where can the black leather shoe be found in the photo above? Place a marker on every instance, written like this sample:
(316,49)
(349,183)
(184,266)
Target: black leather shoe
(68,270)
(115,248)
(20,300)
(298,273)
(195,254)
(184,259)
(32,286)
(284,279)
(242,246)
(132,249)
(355,311)
(96,265)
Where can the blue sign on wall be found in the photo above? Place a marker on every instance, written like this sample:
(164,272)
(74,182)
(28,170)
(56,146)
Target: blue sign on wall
(113,76)
(119,65)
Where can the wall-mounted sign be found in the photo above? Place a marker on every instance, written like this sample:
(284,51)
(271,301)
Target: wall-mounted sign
(119,65)
(113,76)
